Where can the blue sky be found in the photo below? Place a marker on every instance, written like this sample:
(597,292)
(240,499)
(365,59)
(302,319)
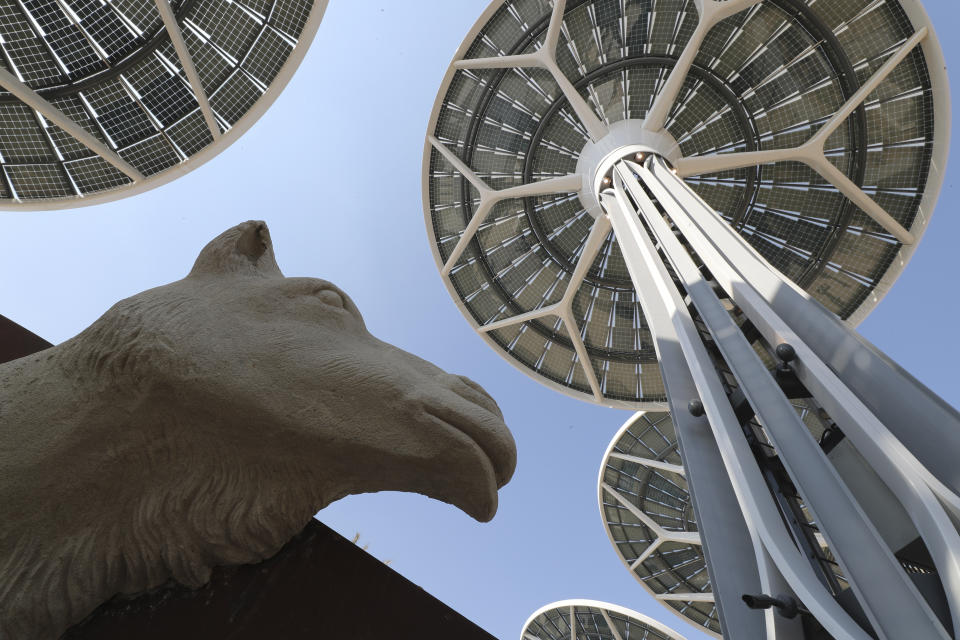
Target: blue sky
(334,168)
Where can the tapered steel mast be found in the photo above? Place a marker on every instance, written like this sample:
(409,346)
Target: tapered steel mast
(689,205)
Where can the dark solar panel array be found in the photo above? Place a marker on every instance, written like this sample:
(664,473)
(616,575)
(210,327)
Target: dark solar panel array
(589,623)
(112,69)
(765,78)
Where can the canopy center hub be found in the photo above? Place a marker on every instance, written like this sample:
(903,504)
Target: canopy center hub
(626,139)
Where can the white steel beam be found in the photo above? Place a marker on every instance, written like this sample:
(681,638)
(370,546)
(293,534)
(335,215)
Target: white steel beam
(671,324)
(871,84)
(711,13)
(665,535)
(646,554)
(653,464)
(564,308)
(573,331)
(890,600)
(735,567)
(610,625)
(536,314)
(591,248)
(546,58)
(915,487)
(812,152)
(687,597)
(489,197)
(33,100)
(841,349)
(186,61)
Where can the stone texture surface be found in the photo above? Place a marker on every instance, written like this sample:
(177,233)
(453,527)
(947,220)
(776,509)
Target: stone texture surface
(318,586)
(204,422)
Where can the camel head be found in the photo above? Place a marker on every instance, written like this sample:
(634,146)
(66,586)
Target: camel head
(204,422)
(290,377)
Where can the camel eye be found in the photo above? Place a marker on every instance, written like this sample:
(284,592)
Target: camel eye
(331,297)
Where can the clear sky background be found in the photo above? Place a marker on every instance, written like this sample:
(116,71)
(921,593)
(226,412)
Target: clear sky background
(334,168)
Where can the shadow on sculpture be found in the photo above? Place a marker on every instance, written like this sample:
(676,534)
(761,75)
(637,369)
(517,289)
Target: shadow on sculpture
(203,423)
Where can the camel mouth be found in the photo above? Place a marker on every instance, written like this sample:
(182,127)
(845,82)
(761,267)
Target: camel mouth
(489,433)
(495,450)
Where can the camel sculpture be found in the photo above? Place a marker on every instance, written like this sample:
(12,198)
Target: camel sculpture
(204,422)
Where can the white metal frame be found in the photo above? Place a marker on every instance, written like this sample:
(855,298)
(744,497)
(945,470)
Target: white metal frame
(711,13)
(604,607)
(919,481)
(672,324)
(36,102)
(813,154)
(890,600)
(186,61)
(219,144)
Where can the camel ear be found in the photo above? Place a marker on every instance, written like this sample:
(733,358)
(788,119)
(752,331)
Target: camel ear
(246,250)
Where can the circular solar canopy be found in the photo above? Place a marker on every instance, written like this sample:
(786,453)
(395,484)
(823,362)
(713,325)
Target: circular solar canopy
(99,100)
(648,515)
(540,91)
(592,620)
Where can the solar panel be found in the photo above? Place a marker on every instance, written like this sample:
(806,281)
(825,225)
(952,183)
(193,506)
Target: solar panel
(101,99)
(523,106)
(592,620)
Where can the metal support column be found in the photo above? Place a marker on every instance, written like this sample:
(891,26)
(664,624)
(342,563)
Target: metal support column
(650,201)
(673,327)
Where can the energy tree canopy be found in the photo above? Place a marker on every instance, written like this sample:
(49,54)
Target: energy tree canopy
(819,131)
(100,100)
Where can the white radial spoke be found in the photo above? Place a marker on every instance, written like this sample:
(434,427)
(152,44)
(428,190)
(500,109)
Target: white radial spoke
(33,100)
(699,165)
(594,126)
(612,627)
(663,102)
(501,62)
(871,85)
(561,184)
(646,554)
(711,13)
(556,23)
(812,154)
(573,330)
(546,58)
(647,521)
(564,308)
(536,314)
(459,165)
(591,249)
(652,464)
(490,197)
(868,205)
(689,537)
(687,597)
(186,61)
